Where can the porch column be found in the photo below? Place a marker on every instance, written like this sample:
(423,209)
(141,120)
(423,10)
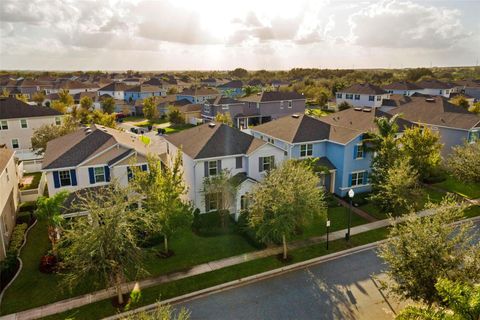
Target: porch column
(332,181)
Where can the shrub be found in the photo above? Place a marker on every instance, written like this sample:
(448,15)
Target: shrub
(210,224)
(435,176)
(30,206)
(331,200)
(243,229)
(344,106)
(9,265)
(17,238)
(359,199)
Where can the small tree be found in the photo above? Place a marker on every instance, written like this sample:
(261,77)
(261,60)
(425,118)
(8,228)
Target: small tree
(5,93)
(419,251)
(65,98)
(422,146)
(47,132)
(50,210)
(222,189)
(175,116)
(38,97)
(475,108)
(284,201)
(102,118)
(464,162)
(59,106)
(461,102)
(162,189)
(150,110)
(86,103)
(108,105)
(103,248)
(224,118)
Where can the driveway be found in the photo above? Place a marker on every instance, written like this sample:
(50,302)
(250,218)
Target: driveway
(338,289)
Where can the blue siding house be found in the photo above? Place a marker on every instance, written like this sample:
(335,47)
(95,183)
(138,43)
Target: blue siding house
(232,89)
(143,91)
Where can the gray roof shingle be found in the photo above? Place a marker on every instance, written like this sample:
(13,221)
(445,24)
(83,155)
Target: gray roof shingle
(11,108)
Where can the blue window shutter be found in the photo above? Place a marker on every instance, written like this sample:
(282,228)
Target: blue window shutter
(260,162)
(91,174)
(107,173)
(144,167)
(365,177)
(355,150)
(129,173)
(219,165)
(350,180)
(56,179)
(73,175)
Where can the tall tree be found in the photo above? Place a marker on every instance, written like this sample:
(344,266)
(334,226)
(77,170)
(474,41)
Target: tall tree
(47,132)
(108,105)
(86,103)
(162,189)
(461,102)
(59,106)
(103,248)
(464,162)
(50,210)
(102,118)
(65,98)
(224,118)
(150,110)
(284,201)
(422,146)
(175,116)
(419,251)
(39,97)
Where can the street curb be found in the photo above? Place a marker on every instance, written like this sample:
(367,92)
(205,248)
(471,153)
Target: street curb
(251,279)
(262,276)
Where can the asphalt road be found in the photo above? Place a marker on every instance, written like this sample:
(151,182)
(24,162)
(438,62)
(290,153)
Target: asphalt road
(344,288)
(337,289)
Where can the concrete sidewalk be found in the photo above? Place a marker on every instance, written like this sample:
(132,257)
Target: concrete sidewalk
(75,302)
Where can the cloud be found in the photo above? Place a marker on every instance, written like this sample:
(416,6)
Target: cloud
(396,24)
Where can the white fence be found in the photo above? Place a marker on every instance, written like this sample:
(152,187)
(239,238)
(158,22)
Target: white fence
(30,166)
(33,194)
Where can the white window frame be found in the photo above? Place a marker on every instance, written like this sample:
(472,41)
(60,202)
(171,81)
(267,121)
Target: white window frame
(267,162)
(379,98)
(4,125)
(371,98)
(357,97)
(225,106)
(22,122)
(95,175)
(58,121)
(339,96)
(281,104)
(210,168)
(359,176)
(306,150)
(60,178)
(290,104)
(349,96)
(360,151)
(18,143)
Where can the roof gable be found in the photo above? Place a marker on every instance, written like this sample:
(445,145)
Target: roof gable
(11,108)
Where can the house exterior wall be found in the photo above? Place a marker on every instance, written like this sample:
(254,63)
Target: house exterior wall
(450,137)
(363,100)
(24,135)
(134,96)
(437,92)
(119,95)
(232,92)
(9,200)
(196,99)
(278,109)
(473,92)
(403,92)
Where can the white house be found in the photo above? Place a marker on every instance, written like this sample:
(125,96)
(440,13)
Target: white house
(115,90)
(18,120)
(403,87)
(362,95)
(92,157)
(210,148)
(437,88)
(9,198)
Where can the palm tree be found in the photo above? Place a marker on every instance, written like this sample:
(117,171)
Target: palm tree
(49,209)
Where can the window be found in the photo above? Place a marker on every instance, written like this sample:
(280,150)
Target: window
(238,162)
(306,150)
(271,140)
(474,136)
(371,98)
(357,178)
(23,123)
(379,98)
(206,108)
(15,144)
(349,96)
(360,151)
(65,179)
(225,107)
(267,163)
(244,202)
(281,104)
(290,104)
(99,173)
(258,105)
(212,168)
(357,97)
(339,95)
(3,125)
(440,91)
(58,121)
(213,201)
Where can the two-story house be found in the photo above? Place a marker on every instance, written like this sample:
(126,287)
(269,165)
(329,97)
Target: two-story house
(115,90)
(216,147)
(364,95)
(337,141)
(9,198)
(402,87)
(143,91)
(92,157)
(268,105)
(436,88)
(455,125)
(232,88)
(18,120)
(198,95)
(223,104)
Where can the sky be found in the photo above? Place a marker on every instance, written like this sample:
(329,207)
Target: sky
(223,35)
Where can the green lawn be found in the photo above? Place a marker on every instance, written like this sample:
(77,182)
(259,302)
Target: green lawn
(140,121)
(33,288)
(429,195)
(176,288)
(35,181)
(178,128)
(468,190)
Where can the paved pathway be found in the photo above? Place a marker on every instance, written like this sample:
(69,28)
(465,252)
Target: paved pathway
(75,302)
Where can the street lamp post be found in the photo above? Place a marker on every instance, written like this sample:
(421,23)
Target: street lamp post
(328,228)
(351,193)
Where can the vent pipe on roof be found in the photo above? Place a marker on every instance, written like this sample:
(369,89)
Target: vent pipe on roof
(296,116)
(430,99)
(88,131)
(211,124)
(357,109)
(367,110)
